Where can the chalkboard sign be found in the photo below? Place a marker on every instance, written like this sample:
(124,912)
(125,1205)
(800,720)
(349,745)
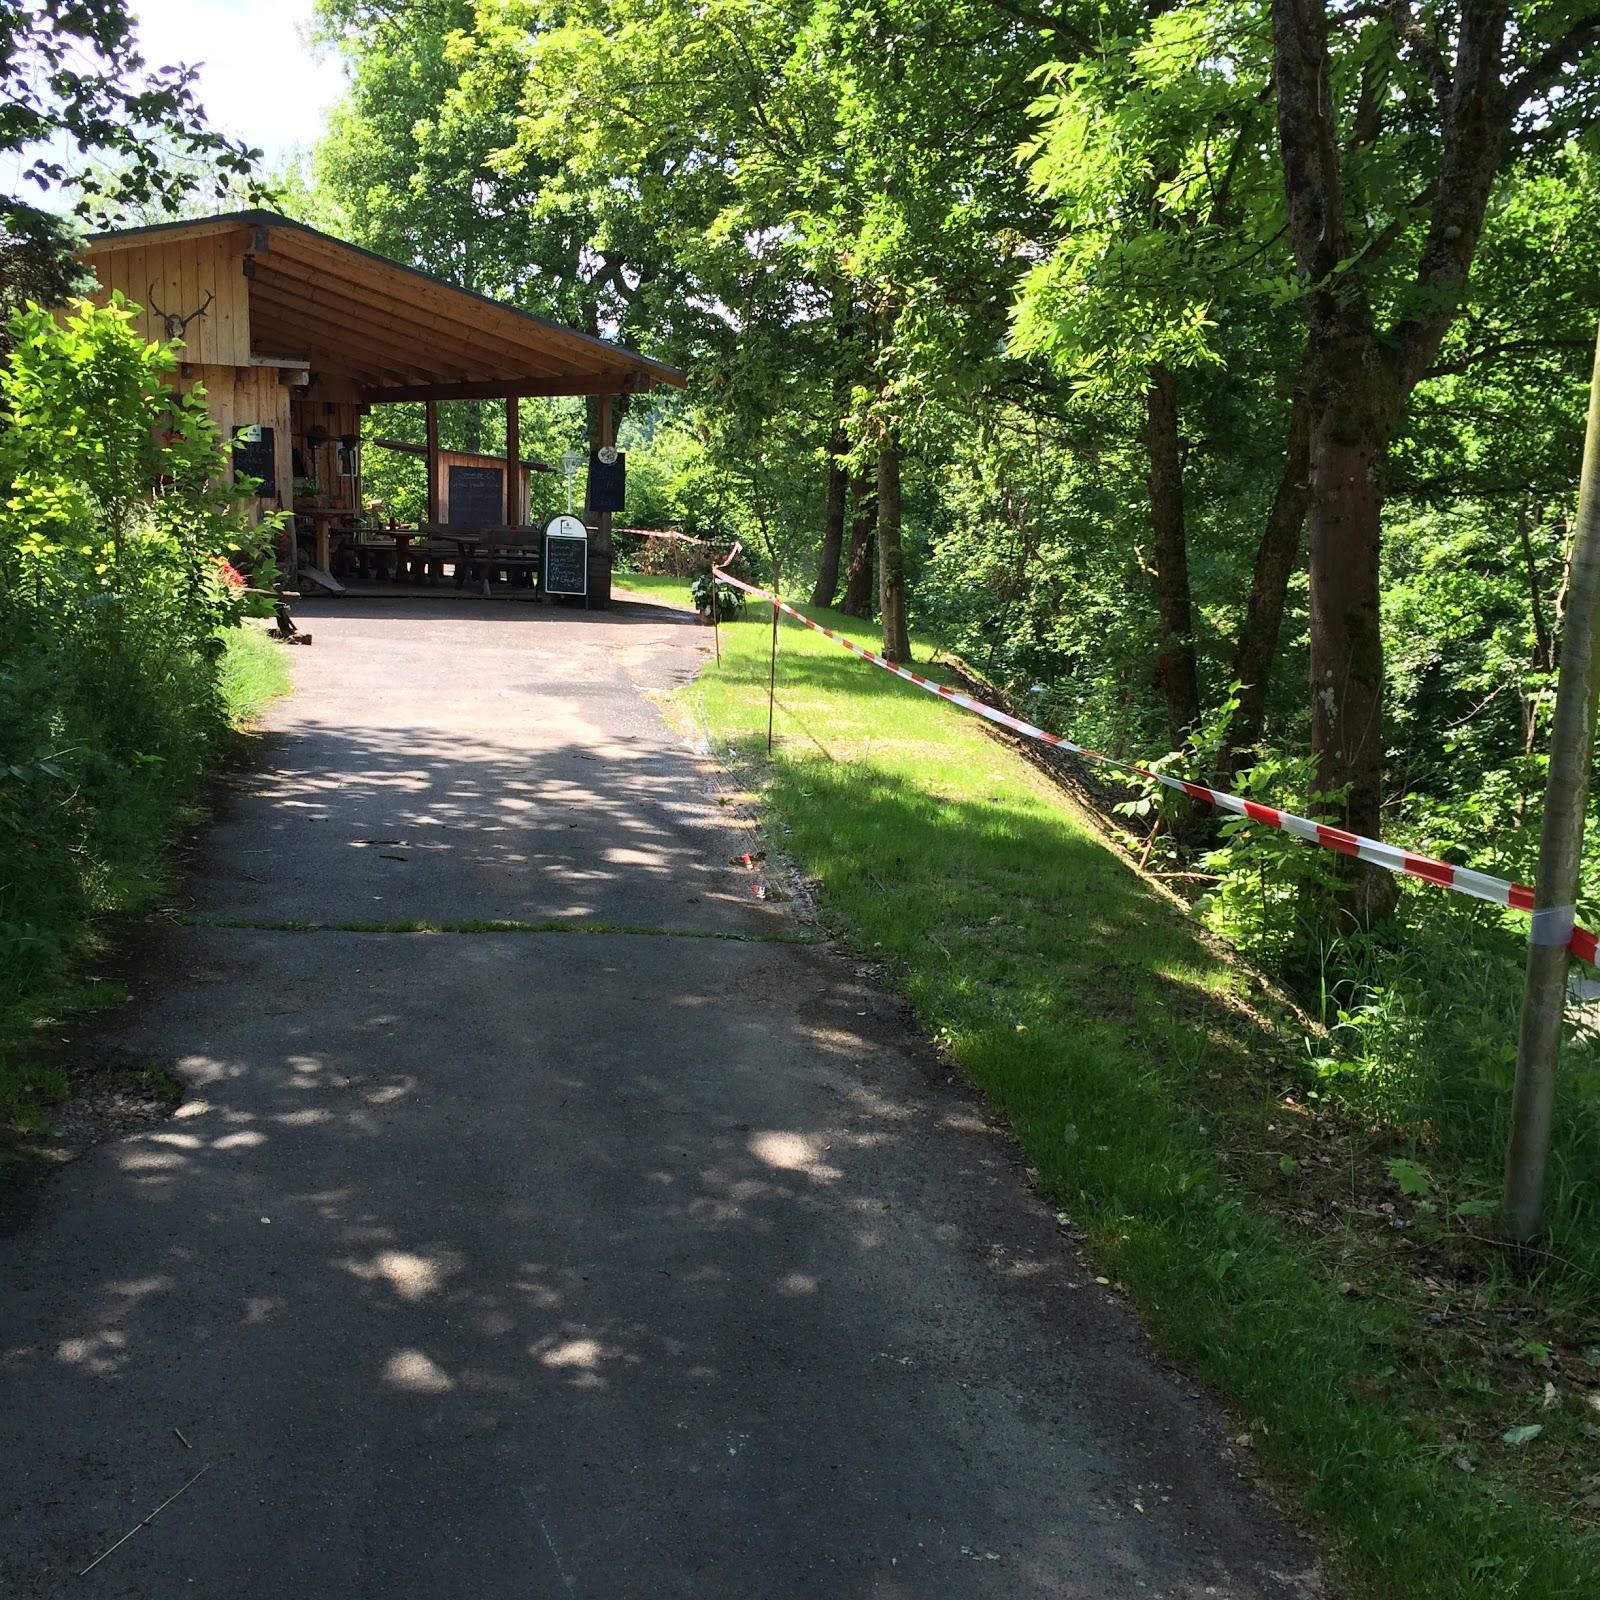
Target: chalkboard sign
(566,557)
(255,456)
(608,482)
(477,497)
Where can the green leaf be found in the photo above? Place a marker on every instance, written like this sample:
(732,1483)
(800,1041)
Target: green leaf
(1413,1178)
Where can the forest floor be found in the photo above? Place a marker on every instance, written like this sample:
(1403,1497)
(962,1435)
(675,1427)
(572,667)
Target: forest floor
(1434,1414)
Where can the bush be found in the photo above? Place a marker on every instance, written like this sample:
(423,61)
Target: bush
(730,601)
(118,525)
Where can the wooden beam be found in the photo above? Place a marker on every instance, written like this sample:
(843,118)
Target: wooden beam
(432,415)
(436,308)
(495,389)
(460,304)
(513,461)
(163,233)
(277,314)
(406,448)
(286,247)
(332,346)
(279,361)
(353,306)
(600,557)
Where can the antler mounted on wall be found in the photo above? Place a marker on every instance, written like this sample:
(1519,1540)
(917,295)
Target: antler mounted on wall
(171,321)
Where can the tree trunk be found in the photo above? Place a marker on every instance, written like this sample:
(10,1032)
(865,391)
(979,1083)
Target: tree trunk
(1360,377)
(1352,394)
(1352,418)
(891,555)
(1176,674)
(858,571)
(833,525)
(1256,648)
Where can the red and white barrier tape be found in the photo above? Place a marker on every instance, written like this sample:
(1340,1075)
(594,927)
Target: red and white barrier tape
(1463,880)
(669,533)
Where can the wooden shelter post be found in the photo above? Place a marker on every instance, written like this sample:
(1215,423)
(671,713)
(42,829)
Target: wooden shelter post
(513,462)
(600,555)
(431,412)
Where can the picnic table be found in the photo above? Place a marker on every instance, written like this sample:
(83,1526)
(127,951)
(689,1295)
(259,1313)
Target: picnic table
(485,548)
(383,550)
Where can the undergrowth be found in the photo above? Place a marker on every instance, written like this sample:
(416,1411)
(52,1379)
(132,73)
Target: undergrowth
(84,839)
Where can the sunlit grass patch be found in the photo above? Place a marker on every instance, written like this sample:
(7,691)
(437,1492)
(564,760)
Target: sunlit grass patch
(254,672)
(659,587)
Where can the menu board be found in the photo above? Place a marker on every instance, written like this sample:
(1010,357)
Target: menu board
(566,557)
(477,497)
(255,456)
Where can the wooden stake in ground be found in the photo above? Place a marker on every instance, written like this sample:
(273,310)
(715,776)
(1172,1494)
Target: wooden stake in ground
(1566,798)
(772,674)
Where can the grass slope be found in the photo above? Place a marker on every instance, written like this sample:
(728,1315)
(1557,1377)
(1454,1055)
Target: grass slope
(1136,1063)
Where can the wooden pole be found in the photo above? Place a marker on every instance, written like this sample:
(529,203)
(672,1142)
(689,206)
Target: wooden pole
(1566,799)
(716,614)
(513,463)
(600,554)
(430,409)
(772,676)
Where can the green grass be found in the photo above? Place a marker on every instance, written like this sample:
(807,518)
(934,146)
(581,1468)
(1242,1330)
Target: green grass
(254,672)
(1153,1085)
(45,981)
(666,590)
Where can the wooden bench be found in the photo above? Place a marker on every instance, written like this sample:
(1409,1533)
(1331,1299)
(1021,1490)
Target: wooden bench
(425,559)
(510,563)
(481,552)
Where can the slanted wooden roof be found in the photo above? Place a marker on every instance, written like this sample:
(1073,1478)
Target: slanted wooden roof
(396,333)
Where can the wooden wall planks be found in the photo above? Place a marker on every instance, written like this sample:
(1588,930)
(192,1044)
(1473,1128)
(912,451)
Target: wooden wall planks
(181,273)
(239,396)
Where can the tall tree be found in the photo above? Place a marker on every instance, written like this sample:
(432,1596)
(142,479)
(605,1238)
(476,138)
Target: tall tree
(832,551)
(1392,131)
(891,554)
(1156,292)
(1177,676)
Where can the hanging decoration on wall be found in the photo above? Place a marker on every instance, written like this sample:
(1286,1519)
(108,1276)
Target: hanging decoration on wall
(174,321)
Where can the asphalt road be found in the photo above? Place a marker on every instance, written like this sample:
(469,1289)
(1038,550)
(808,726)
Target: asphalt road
(602,1264)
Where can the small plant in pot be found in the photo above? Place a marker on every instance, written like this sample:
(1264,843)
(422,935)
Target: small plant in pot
(729,601)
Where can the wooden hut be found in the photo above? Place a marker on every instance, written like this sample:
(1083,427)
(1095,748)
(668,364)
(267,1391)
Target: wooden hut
(295,335)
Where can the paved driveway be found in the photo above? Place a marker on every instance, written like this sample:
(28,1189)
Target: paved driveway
(654,1262)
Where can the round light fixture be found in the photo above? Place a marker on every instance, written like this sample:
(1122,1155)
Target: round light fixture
(607,454)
